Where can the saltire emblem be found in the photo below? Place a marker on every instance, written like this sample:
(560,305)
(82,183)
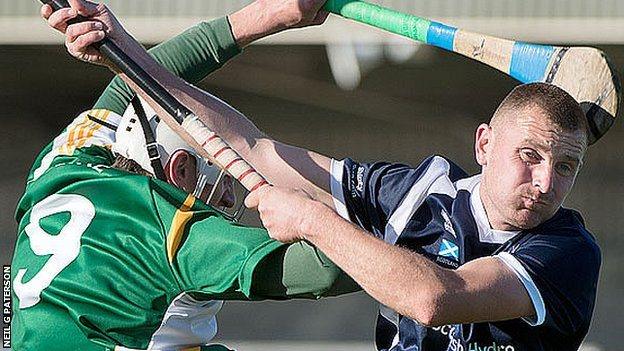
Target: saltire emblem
(449,249)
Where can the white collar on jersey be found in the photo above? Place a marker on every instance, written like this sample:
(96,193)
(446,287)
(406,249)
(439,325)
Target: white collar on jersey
(486,233)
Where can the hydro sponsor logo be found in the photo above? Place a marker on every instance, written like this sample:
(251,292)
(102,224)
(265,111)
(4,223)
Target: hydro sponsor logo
(455,343)
(474,346)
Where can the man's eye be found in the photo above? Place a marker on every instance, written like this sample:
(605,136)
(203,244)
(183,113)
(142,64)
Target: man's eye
(529,155)
(565,169)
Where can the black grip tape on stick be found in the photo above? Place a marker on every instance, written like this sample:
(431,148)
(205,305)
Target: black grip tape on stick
(135,72)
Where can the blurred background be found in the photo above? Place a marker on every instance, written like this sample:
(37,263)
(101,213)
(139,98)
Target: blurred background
(342,89)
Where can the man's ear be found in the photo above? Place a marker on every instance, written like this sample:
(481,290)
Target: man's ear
(483,143)
(181,170)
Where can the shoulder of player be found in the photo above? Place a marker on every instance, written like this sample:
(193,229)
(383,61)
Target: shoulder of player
(171,202)
(567,230)
(567,223)
(440,165)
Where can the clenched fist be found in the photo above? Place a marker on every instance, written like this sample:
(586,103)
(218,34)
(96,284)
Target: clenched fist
(286,213)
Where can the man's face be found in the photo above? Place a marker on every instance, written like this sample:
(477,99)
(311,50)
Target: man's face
(529,167)
(224,194)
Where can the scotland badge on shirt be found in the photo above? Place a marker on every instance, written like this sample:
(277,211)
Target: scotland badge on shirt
(449,249)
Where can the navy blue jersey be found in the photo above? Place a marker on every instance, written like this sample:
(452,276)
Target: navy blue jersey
(435,210)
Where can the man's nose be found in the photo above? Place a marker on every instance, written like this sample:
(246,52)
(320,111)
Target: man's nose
(228,198)
(543,177)
(228,183)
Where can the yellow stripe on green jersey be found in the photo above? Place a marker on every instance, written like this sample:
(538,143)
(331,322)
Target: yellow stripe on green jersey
(178,224)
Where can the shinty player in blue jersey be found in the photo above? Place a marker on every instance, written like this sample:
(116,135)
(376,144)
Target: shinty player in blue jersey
(487,262)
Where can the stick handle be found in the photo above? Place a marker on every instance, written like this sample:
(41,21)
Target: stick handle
(194,132)
(403,24)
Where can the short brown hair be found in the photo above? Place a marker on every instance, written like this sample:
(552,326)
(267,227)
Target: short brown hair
(126,164)
(560,107)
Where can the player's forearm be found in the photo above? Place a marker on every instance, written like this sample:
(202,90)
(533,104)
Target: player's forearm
(257,20)
(200,50)
(398,278)
(205,47)
(409,283)
(281,164)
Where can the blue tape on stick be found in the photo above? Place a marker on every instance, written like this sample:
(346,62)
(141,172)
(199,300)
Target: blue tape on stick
(441,35)
(530,61)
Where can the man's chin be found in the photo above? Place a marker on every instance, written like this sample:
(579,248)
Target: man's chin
(226,201)
(226,204)
(528,219)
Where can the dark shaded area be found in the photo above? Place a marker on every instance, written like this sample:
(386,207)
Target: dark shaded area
(400,113)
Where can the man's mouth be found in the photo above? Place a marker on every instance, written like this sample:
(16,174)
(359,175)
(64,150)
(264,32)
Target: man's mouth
(533,203)
(227,201)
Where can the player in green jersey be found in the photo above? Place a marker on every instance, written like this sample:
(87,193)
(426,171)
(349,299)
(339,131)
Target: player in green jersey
(108,259)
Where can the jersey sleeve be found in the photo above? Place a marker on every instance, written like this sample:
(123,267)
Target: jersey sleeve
(300,270)
(191,55)
(560,274)
(218,256)
(369,194)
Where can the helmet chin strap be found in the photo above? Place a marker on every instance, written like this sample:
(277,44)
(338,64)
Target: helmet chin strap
(150,140)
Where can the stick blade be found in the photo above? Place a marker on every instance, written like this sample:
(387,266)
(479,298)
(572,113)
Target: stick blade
(587,75)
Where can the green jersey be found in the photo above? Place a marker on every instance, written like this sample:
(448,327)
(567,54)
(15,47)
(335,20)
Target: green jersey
(114,256)
(106,259)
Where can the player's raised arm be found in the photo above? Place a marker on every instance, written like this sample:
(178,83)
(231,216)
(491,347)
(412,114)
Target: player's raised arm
(207,46)
(191,55)
(279,163)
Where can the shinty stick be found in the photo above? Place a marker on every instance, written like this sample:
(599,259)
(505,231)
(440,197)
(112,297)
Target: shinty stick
(584,72)
(177,116)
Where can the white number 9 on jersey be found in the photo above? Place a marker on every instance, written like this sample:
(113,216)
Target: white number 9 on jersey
(63,248)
